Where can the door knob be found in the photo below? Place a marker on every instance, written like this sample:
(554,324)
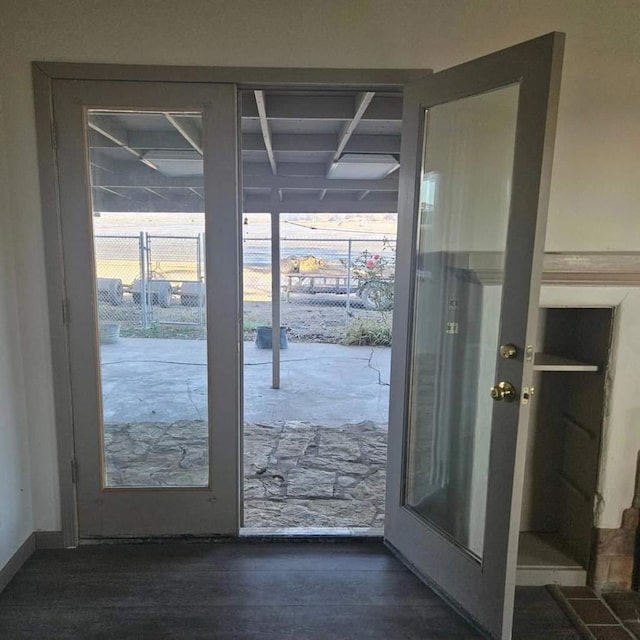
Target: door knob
(503,391)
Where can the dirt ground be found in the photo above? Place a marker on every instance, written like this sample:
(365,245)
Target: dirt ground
(306,318)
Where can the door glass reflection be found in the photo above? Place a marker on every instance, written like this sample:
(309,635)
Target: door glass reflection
(463,219)
(147,190)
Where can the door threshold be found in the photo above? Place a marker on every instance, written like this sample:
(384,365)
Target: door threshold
(373,534)
(151,539)
(304,533)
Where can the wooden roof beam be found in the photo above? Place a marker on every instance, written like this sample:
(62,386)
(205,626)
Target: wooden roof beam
(117,135)
(266,132)
(363,100)
(188,130)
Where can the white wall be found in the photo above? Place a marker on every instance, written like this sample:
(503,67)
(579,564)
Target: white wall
(595,191)
(16,515)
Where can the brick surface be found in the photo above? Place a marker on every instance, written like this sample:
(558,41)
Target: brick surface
(610,633)
(625,604)
(578,592)
(593,612)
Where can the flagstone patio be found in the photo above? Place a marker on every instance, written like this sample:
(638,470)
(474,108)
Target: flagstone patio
(296,474)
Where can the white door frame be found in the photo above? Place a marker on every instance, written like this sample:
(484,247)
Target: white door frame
(45,76)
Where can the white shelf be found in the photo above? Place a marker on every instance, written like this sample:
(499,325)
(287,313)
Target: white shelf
(548,362)
(543,559)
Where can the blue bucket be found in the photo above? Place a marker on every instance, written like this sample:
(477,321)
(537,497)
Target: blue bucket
(264,334)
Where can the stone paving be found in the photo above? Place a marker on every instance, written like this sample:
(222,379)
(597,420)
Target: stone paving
(296,474)
(152,454)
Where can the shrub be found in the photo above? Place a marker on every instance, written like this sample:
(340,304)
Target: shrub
(375,276)
(373,333)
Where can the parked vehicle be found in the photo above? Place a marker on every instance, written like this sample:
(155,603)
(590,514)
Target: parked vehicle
(110,290)
(192,294)
(159,292)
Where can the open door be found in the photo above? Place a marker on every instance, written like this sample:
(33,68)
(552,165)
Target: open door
(477,143)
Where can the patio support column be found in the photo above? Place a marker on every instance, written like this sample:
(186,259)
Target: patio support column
(275,288)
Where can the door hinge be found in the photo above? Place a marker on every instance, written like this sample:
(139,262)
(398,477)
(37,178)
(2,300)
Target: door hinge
(65,312)
(74,471)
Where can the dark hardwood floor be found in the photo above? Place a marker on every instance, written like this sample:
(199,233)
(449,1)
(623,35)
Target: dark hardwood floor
(242,590)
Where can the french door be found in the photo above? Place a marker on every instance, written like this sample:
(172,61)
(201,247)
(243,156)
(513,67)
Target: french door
(476,150)
(156,434)
(157,429)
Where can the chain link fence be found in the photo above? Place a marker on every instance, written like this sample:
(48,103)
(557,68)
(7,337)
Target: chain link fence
(175,268)
(145,281)
(329,287)
(256,280)
(153,285)
(119,263)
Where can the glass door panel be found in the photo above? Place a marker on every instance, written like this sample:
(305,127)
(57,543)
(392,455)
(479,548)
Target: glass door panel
(462,234)
(148,224)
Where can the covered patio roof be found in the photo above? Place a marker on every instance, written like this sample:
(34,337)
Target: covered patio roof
(329,151)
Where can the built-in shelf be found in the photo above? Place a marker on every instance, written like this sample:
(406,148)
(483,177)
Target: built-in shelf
(543,559)
(549,362)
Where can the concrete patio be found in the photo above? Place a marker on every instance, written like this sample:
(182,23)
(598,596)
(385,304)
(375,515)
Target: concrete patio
(147,380)
(314,450)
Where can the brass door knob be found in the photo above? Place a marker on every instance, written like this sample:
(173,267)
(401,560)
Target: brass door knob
(503,391)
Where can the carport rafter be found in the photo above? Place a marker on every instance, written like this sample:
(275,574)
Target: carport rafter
(325,107)
(280,142)
(118,135)
(266,132)
(363,101)
(286,151)
(134,179)
(187,130)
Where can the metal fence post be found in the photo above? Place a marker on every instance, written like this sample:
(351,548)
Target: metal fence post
(143,281)
(348,305)
(275,290)
(201,285)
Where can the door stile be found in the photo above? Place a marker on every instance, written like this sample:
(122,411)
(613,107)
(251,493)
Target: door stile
(222,268)
(537,120)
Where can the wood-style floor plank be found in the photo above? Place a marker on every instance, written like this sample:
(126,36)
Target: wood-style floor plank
(242,590)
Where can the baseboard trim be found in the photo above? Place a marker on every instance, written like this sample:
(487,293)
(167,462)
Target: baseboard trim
(17,560)
(49,540)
